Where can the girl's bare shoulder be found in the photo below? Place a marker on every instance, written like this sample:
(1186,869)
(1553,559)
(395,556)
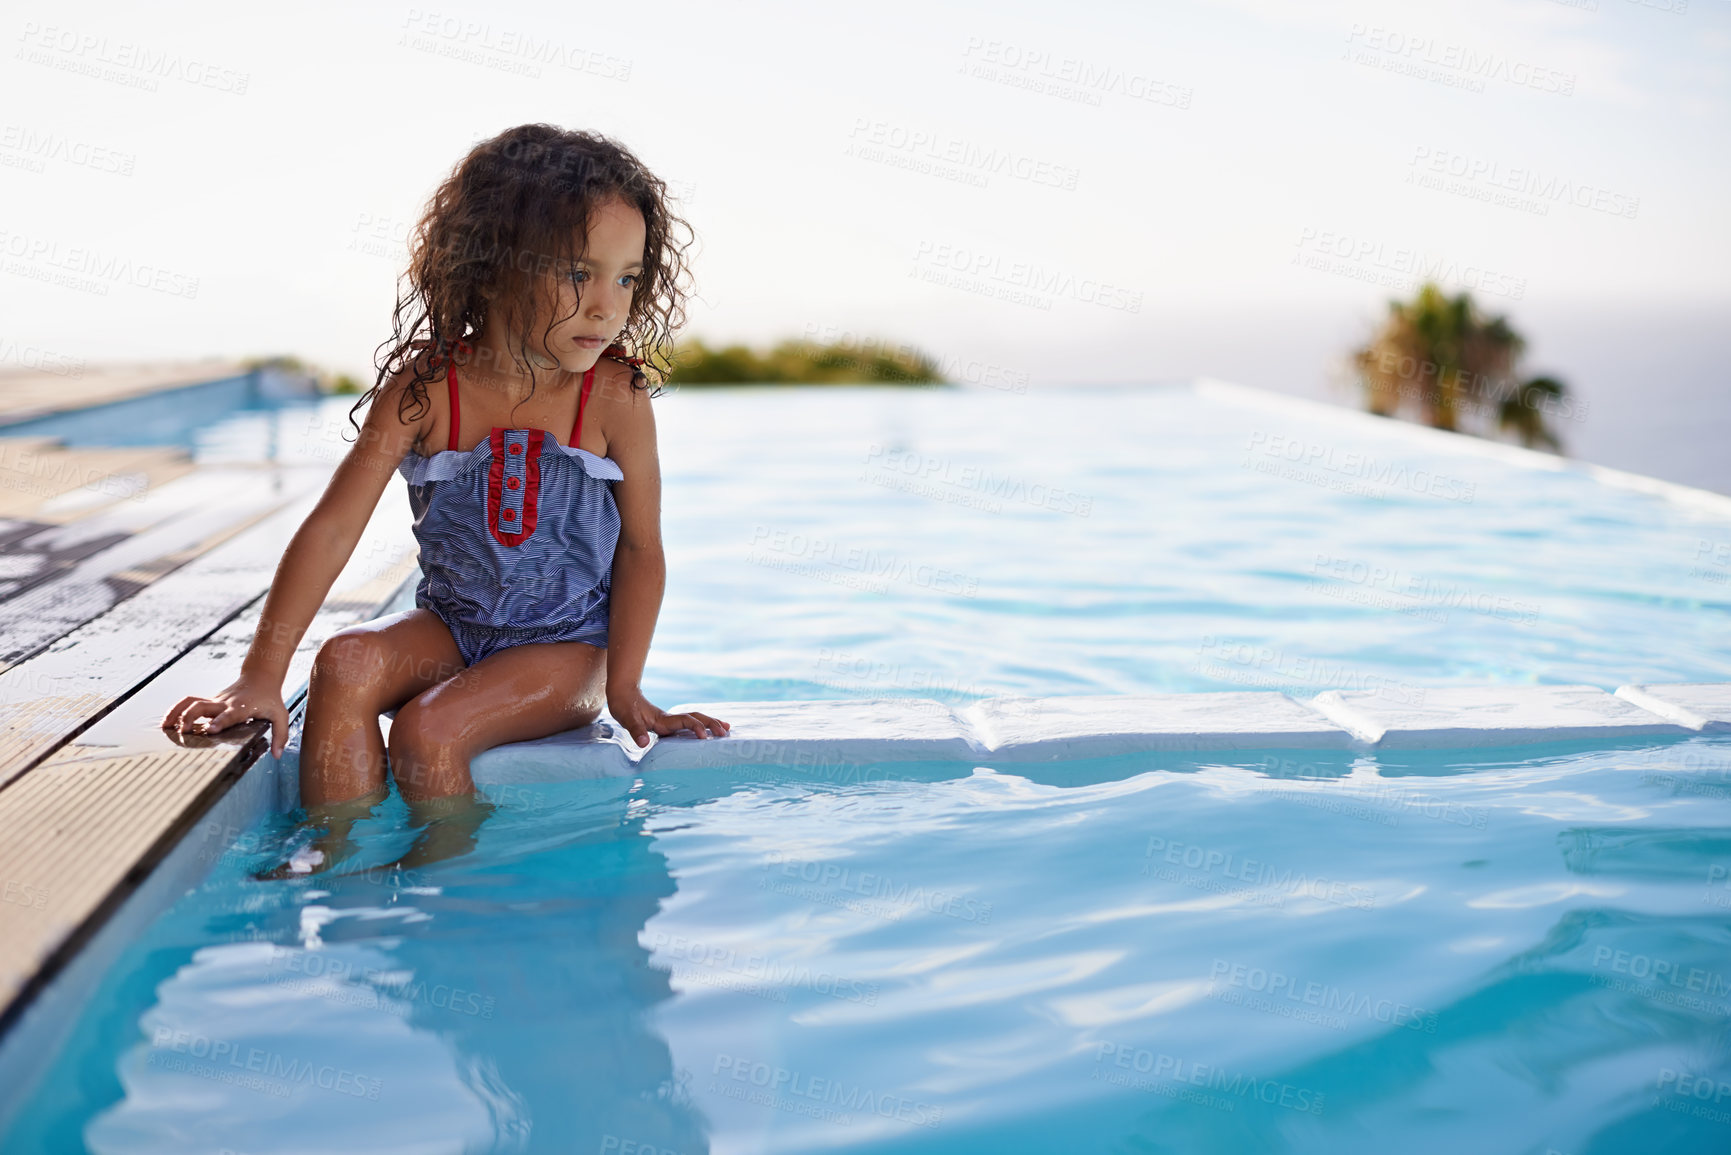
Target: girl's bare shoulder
(614,381)
(626,412)
(404,411)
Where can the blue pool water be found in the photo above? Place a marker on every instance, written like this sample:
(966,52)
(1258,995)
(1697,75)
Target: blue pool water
(1515,951)
(1521,950)
(228,419)
(958,544)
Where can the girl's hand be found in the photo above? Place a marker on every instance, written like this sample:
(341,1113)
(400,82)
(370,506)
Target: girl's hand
(639,716)
(247,699)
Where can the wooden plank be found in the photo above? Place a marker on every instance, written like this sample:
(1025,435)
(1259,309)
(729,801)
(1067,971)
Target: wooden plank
(51,483)
(107,658)
(71,575)
(83,829)
(14,530)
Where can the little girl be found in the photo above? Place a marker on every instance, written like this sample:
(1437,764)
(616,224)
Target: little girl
(542,259)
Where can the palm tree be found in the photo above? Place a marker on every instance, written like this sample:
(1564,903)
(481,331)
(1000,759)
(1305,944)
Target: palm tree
(1522,413)
(1452,360)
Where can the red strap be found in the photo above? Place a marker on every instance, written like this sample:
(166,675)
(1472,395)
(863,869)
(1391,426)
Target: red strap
(582,400)
(456,412)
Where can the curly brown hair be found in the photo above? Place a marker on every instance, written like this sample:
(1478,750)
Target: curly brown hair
(515,209)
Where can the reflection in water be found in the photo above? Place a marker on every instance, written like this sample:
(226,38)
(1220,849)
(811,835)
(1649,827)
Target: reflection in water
(496,1001)
(1331,952)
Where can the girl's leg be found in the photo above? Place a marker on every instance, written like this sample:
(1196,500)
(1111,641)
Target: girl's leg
(524,692)
(360,673)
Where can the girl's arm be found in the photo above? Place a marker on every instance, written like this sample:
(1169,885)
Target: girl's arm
(316,554)
(639,577)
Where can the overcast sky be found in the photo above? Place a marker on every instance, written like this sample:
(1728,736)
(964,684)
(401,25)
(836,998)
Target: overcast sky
(1097,191)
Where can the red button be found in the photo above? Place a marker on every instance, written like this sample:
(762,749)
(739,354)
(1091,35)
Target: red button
(515,448)
(512,483)
(508,515)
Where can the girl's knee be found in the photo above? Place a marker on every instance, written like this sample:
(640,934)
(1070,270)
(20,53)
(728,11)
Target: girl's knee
(352,659)
(429,751)
(427,730)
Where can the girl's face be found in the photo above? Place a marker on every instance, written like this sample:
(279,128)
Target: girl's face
(607,274)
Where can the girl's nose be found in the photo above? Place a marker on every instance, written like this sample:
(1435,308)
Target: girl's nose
(604,306)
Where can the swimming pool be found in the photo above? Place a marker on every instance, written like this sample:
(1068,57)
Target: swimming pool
(1268,951)
(966,544)
(1310,950)
(220,420)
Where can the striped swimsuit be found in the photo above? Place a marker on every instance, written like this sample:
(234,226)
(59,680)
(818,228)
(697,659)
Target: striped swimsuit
(517,535)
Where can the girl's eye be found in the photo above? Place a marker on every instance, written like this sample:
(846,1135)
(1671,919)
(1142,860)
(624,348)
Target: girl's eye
(579,276)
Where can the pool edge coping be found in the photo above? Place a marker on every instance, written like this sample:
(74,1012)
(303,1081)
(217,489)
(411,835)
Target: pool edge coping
(822,735)
(1687,496)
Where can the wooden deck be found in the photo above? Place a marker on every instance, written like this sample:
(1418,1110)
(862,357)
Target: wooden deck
(129,579)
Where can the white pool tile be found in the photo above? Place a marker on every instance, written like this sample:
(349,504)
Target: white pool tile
(1697,705)
(1491,716)
(807,737)
(595,751)
(818,733)
(1097,726)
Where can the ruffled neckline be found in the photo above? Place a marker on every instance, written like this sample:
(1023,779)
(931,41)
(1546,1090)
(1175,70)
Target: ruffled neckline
(449,463)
